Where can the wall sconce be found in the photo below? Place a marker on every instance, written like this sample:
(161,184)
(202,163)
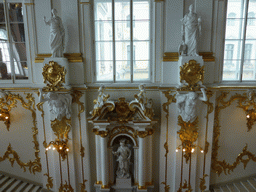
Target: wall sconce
(5,116)
(60,146)
(188,150)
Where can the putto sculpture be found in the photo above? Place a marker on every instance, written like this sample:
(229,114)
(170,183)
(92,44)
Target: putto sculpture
(191,29)
(57,34)
(124,155)
(186,104)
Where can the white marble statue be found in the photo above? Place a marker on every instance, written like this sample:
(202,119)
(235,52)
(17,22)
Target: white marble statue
(59,104)
(187,103)
(141,97)
(183,49)
(192,24)
(124,155)
(99,102)
(57,34)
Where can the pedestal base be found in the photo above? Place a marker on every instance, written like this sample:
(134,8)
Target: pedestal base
(123,183)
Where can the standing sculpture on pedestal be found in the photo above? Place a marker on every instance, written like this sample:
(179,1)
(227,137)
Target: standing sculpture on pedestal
(124,155)
(192,24)
(57,34)
(187,105)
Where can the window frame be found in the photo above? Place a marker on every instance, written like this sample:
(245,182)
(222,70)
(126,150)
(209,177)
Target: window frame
(13,79)
(131,81)
(240,79)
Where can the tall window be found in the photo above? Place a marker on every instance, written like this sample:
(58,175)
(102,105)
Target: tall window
(117,35)
(13,59)
(242,65)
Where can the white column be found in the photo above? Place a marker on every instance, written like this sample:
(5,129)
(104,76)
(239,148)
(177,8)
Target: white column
(104,162)
(142,178)
(150,172)
(98,158)
(136,160)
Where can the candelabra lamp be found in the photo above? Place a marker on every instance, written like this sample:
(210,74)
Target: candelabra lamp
(5,116)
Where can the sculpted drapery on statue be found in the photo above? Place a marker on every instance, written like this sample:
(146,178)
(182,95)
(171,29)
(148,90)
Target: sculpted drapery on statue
(192,24)
(124,155)
(187,105)
(57,34)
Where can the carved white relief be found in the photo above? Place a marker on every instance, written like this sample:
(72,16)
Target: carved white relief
(57,34)
(187,103)
(101,99)
(124,155)
(141,97)
(192,24)
(59,104)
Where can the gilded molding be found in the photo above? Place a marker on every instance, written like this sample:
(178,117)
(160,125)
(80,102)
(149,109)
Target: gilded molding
(72,57)
(185,186)
(174,56)
(103,134)
(49,184)
(83,186)
(66,188)
(202,183)
(33,166)
(222,166)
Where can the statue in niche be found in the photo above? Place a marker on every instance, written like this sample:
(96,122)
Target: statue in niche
(192,24)
(57,34)
(187,105)
(124,154)
(59,104)
(99,102)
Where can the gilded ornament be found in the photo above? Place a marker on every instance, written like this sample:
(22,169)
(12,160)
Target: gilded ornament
(49,184)
(185,186)
(103,134)
(61,128)
(66,188)
(202,183)
(192,73)
(222,166)
(83,186)
(188,135)
(54,76)
(10,101)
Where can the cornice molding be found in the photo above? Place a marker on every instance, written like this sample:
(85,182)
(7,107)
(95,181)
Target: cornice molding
(72,57)
(174,56)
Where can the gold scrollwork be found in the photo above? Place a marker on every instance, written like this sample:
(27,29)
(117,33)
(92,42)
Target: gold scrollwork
(101,133)
(33,166)
(223,166)
(192,73)
(66,188)
(143,134)
(185,186)
(83,186)
(202,183)
(61,128)
(54,76)
(188,135)
(49,184)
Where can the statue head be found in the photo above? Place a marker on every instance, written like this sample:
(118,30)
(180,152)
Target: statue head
(101,88)
(191,8)
(141,87)
(54,12)
(192,95)
(122,142)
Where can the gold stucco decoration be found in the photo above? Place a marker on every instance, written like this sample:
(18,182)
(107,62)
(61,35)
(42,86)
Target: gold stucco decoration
(188,135)
(61,128)
(185,185)
(191,73)
(54,76)
(66,188)
(202,183)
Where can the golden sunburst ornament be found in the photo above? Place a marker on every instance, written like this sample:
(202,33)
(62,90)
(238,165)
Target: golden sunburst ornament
(192,73)
(54,76)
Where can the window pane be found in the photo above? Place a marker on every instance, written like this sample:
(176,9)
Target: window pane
(123,71)
(141,50)
(104,51)
(103,31)
(122,30)
(103,10)
(141,70)
(140,10)
(235,51)
(122,50)
(236,7)
(231,69)
(15,12)
(21,70)
(19,51)
(233,28)
(5,70)
(122,10)
(141,30)
(18,33)
(2,16)
(104,70)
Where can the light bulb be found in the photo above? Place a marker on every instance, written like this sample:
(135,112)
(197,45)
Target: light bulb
(184,150)
(1,114)
(46,149)
(6,117)
(60,148)
(248,116)
(53,148)
(67,149)
(202,151)
(193,150)
(177,150)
